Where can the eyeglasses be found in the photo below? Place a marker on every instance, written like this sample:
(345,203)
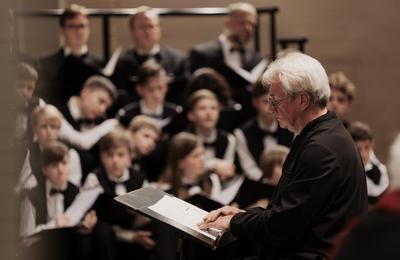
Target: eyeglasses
(274,103)
(76,26)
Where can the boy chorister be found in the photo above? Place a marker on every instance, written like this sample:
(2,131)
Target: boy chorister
(46,124)
(45,206)
(152,87)
(116,177)
(376,172)
(259,133)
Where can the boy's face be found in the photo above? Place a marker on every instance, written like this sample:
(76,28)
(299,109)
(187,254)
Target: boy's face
(154,91)
(338,103)
(205,113)
(46,130)
(192,165)
(144,140)
(95,102)
(261,105)
(365,147)
(116,160)
(76,31)
(57,173)
(25,90)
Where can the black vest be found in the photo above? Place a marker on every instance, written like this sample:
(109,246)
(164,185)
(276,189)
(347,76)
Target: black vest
(37,196)
(255,137)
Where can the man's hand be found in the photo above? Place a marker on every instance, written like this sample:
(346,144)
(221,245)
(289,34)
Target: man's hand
(63,220)
(219,218)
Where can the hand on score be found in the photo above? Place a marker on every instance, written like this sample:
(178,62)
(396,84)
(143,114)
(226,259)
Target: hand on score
(219,218)
(224,169)
(143,238)
(63,220)
(90,220)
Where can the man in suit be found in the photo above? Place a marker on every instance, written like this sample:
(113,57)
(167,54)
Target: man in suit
(61,74)
(323,182)
(145,31)
(229,56)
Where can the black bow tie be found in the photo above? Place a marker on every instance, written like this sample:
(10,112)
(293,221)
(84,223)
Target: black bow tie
(69,194)
(144,57)
(86,122)
(239,49)
(54,191)
(210,144)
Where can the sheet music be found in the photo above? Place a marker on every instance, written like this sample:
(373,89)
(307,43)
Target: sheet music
(182,212)
(108,70)
(254,74)
(82,203)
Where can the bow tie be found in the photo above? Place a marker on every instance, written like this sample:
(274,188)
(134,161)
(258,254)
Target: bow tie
(54,191)
(86,121)
(144,57)
(210,144)
(239,49)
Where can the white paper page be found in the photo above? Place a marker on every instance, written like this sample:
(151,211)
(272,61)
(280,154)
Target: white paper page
(254,74)
(182,212)
(81,205)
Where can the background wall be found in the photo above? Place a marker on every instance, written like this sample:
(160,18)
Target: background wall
(357,37)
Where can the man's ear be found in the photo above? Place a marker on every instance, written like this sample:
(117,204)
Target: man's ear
(305,101)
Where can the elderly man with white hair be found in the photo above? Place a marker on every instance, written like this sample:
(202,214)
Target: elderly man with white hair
(323,182)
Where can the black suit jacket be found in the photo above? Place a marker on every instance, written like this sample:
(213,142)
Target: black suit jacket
(172,60)
(210,54)
(323,186)
(61,77)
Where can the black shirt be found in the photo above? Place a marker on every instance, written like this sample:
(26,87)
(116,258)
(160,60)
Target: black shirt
(322,187)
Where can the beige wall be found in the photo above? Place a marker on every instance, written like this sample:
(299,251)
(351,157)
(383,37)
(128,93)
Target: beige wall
(357,37)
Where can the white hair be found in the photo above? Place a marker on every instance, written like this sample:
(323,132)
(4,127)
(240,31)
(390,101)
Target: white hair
(242,7)
(299,72)
(394,163)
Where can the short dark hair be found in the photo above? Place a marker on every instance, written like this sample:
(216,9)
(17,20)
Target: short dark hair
(360,131)
(71,12)
(117,138)
(208,78)
(199,95)
(258,89)
(26,71)
(148,70)
(53,152)
(100,82)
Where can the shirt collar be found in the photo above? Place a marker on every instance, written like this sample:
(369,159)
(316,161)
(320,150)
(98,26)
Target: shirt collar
(147,111)
(271,128)
(82,51)
(74,109)
(124,177)
(210,139)
(225,43)
(50,186)
(154,51)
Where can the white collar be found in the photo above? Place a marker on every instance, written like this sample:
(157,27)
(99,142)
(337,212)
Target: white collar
(147,111)
(74,109)
(82,51)
(272,128)
(50,186)
(225,43)
(156,49)
(124,177)
(210,139)
(368,166)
